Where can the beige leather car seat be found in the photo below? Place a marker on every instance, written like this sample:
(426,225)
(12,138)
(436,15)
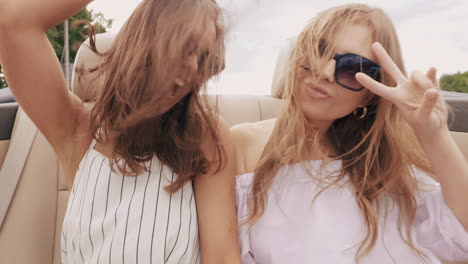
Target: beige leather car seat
(4,144)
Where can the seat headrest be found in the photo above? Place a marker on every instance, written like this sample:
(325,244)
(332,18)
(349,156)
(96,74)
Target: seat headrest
(281,67)
(84,86)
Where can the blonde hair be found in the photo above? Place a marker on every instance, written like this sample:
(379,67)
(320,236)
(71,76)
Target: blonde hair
(145,58)
(377,152)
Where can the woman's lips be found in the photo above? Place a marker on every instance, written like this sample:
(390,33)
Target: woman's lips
(318,92)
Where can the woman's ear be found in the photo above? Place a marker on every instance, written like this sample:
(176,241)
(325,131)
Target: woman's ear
(368,97)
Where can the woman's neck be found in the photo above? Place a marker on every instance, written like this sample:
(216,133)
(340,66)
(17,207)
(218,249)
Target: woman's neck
(319,151)
(321,148)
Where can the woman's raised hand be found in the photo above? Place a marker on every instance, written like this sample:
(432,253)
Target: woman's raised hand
(418,97)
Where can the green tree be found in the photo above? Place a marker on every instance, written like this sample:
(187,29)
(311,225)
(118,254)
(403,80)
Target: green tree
(3,83)
(78,32)
(457,82)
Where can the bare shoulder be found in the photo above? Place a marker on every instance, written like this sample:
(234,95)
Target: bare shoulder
(223,132)
(248,132)
(223,128)
(223,135)
(250,140)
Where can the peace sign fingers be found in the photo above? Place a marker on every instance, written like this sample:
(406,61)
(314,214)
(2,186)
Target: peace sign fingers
(391,68)
(376,87)
(388,64)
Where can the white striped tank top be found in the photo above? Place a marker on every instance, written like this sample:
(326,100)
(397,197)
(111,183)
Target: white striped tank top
(117,219)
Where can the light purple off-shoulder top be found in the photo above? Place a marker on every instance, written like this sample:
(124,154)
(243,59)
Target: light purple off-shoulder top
(295,230)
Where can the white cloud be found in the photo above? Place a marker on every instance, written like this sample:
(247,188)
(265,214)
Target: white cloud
(437,39)
(432,33)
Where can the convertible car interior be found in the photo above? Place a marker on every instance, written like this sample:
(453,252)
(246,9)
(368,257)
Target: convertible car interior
(33,193)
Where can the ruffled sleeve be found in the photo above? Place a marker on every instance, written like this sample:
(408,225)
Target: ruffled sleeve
(437,228)
(242,192)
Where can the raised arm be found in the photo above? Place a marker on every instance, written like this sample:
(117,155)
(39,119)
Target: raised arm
(32,69)
(419,100)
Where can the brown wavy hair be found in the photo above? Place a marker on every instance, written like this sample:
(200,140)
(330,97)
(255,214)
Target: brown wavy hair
(136,73)
(378,152)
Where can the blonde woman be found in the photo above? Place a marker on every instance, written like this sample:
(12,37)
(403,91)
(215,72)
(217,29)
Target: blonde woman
(141,162)
(347,174)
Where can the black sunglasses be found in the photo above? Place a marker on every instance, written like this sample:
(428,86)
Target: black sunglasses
(347,65)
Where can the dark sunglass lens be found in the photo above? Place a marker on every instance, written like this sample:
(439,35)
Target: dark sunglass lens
(351,64)
(347,68)
(372,70)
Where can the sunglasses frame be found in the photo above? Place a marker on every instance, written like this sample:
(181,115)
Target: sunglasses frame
(338,57)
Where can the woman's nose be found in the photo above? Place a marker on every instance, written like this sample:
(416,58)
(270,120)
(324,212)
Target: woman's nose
(329,71)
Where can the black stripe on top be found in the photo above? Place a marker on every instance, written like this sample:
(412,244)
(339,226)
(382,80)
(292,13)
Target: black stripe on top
(115,216)
(143,209)
(92,208)
(82,205)
(105,215)
(128,214)
(155,213)
(180,223)
(168,217)
(190,225)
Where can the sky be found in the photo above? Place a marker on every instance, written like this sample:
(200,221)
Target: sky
(432,33)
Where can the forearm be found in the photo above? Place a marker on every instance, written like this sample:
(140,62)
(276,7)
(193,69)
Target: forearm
(220,248)
(41,14)
(217,218)
(218,232)
(451,168)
